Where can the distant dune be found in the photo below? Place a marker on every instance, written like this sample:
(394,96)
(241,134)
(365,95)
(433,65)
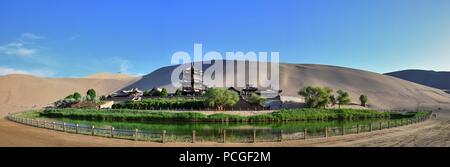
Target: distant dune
(384,91)
(19,92)
(435,79)
(107,75)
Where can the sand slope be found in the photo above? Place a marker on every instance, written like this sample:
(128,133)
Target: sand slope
(435,79)
(107,75)
(18,92)
(384,91)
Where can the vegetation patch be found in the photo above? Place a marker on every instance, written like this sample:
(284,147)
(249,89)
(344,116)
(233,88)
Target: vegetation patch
(282,115)
(162,103)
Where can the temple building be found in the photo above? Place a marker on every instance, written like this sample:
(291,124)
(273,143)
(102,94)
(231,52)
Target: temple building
(192,83)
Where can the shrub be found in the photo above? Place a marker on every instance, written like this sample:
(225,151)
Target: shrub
(256,99)
(163,103)
(178,92)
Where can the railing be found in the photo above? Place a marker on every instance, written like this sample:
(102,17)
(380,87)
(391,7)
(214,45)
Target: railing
(225,135)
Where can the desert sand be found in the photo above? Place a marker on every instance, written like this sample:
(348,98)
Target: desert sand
(23,92)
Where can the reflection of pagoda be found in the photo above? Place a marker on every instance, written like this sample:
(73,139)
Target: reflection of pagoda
(192,81)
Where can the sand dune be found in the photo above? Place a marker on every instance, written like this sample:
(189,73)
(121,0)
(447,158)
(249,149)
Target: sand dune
(435,79)
(19,92)
(384,91)
(107,75)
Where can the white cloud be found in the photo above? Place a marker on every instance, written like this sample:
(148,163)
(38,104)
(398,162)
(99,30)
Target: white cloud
(21,46)
(25,37)
(35,72)
(17,49)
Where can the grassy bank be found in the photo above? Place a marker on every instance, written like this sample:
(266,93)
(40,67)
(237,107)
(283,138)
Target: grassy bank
(282,115)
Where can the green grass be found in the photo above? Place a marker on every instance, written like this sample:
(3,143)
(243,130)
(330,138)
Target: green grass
(282,115)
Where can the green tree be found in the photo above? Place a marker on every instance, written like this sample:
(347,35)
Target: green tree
(178,92)
(69,97)
(364,99)
(77,96)
(154,92)
(91,94)
(164,92)
(333,100)
(256,99)
(316,97)
(221,97)
(343,98)
(146,93)
(103,98)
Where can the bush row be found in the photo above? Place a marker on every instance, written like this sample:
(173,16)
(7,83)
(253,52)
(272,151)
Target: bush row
(162,103)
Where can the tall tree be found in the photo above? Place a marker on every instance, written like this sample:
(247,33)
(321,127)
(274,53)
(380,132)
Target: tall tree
(316,97)
(364,99)
(220,98)
(77,96)
(91,94)
(164,92)
(343,98)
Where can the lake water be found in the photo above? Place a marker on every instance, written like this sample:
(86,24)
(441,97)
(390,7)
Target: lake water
(234,132)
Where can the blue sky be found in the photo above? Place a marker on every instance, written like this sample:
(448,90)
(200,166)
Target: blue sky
(74,38)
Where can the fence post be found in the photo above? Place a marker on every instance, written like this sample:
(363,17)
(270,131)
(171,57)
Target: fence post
(326,132)
(305,133)
(64,126)
(93,130)
(54,125)
(77,128)
(136,134)
(224,136)
(381,125)
(193,136)
(281,135)
(357,128)
(370,127)
(112,132)
(163,136)
(254,135)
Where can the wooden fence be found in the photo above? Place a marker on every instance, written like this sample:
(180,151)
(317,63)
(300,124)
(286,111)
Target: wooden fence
(225,135)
